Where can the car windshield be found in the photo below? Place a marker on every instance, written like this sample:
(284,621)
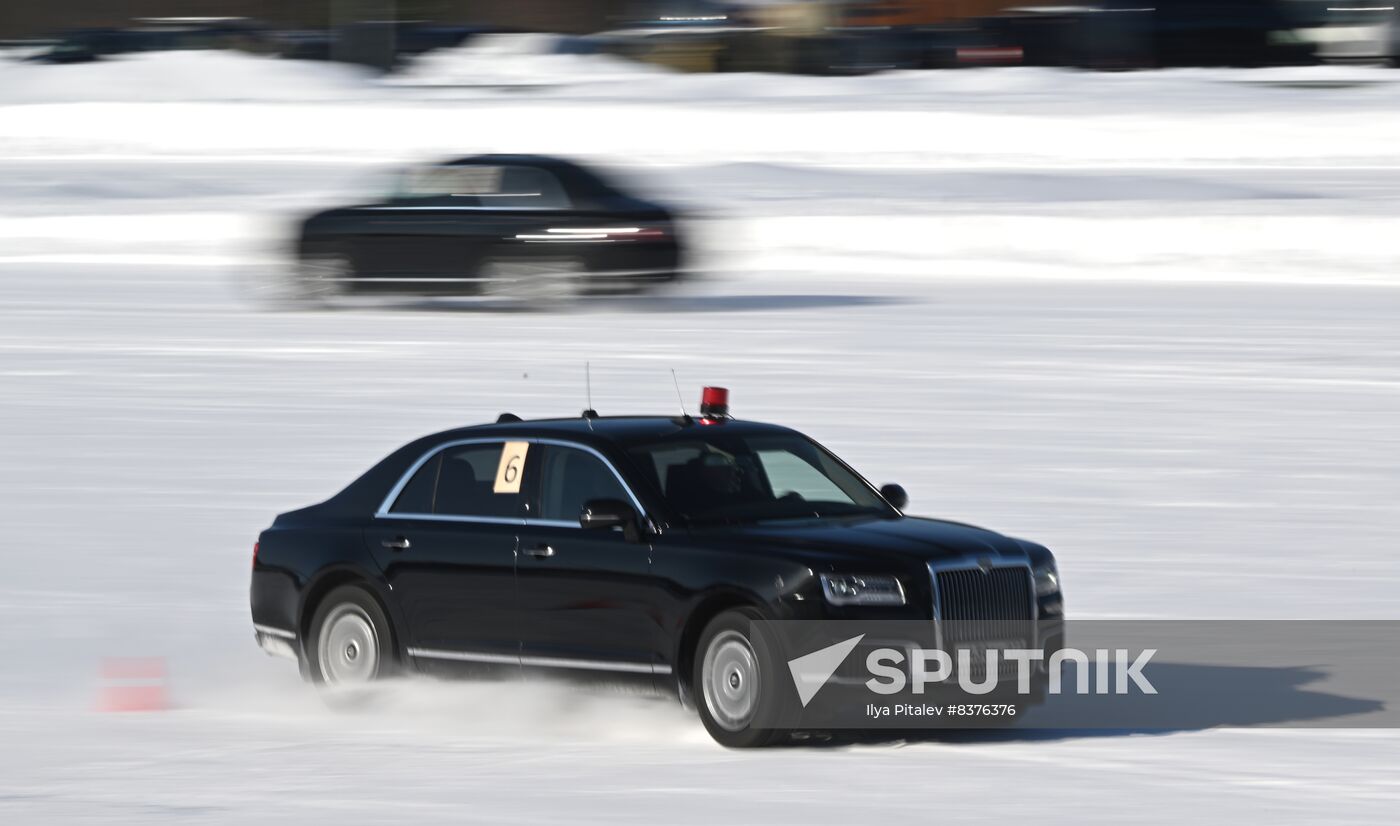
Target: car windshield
(720,477)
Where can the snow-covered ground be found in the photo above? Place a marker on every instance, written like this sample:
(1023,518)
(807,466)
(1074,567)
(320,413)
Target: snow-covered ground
(1146,319)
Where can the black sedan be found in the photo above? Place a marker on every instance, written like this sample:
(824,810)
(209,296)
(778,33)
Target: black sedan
(520,226)
(638,548)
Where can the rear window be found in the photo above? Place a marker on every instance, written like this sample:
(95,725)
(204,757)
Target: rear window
(417,495)
(459,481)
(466,484)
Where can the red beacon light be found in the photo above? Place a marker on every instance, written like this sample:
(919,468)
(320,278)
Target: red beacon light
(714,405)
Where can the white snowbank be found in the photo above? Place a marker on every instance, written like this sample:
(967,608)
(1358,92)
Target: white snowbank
(496,60)
(152,423)
(517,60)
(1181,175)
(212,103)
(181,76)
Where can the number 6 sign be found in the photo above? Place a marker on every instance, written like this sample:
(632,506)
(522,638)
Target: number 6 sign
(511,468)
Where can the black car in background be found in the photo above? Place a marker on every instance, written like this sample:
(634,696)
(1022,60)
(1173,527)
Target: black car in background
(157,34)
(635,548)
(513,225)
(1120,34)
(1179,33)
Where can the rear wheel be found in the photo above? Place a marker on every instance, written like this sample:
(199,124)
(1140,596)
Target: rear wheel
(735,683)
(315,278)
(533,279)
(351,646)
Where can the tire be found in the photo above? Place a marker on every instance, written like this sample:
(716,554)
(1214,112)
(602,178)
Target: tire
(351,644)
(540,281)
(307,282)
(736,681)
(321,277)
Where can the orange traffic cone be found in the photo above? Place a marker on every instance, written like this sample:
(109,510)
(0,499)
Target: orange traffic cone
(133,684)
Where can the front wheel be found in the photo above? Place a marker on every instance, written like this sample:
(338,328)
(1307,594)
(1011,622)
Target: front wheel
(321,277)
(736,681)
(351,646)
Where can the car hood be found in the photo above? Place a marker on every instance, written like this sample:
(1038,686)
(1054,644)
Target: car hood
(842,542)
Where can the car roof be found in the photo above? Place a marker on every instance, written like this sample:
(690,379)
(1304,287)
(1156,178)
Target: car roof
(609,434)
(511,159)
(623,431)
(578,179)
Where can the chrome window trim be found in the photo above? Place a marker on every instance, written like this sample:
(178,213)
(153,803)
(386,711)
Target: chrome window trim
(448,517)
(552,523)
(539,662)
(384,507)
(384,511)
(842,462)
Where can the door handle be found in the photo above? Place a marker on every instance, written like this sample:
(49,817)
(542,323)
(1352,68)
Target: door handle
(541,551)
(398,543)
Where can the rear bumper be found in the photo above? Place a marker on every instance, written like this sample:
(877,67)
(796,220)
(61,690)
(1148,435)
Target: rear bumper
(277,642)
(623,281)
(615,259)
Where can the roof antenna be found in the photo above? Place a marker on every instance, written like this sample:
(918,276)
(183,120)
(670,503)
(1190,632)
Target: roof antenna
(685,417)
(588,412)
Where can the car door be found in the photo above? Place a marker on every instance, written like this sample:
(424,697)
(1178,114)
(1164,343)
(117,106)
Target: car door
(446,541)
(520,222)
(587,597)
(420,240)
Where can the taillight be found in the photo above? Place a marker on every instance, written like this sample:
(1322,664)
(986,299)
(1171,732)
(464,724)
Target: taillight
(597,235)
(647,234)
(255,554)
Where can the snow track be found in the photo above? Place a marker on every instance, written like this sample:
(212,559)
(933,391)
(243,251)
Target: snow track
(1179,368)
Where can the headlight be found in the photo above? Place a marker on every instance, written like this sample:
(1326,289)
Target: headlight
(852,589)
(1047,581)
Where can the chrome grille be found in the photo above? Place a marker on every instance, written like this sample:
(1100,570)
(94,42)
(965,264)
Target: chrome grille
(998,595)
(977,608)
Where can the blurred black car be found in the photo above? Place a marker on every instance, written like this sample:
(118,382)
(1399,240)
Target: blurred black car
(87,45)
(1177,33)
(1049,36)
(1121,34)
(157,34)
(512,225)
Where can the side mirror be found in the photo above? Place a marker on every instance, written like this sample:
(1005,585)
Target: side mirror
(895,495)
(609,513)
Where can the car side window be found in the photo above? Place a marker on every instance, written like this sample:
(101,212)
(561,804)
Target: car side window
(661,462)
(481,185)
(431,181)
(526,187)
(466,483)
(417,495)
(570,477)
